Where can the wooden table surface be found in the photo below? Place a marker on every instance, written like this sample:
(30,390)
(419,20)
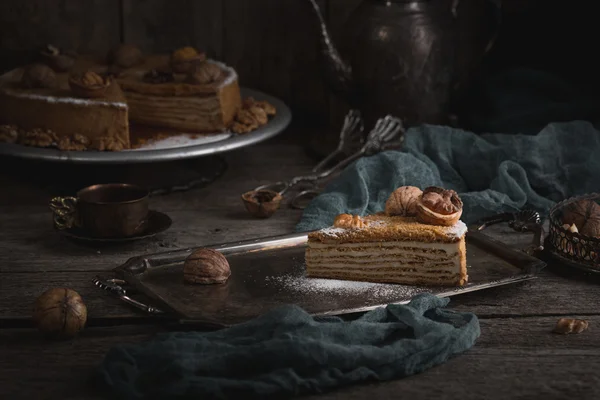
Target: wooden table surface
(516,356)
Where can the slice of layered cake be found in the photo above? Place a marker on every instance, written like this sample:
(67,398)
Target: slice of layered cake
(418,240)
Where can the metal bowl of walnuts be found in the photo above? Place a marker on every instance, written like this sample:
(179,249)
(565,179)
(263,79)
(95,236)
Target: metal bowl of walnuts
(574,232)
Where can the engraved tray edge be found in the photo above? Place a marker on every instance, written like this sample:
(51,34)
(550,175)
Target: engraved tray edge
(132,268)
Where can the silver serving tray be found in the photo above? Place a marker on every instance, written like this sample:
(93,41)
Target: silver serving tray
(269,272)
(275,126)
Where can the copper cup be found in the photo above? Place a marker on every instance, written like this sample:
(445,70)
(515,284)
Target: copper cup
(113,210)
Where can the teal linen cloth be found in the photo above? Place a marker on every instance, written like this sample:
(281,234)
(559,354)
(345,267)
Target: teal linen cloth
(287,352)
(493,173)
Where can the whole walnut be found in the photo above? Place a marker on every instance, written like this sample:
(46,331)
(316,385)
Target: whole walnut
(585,215)
(204,73)
(206,266)
(124,56)
(184,60)
(38,76)
(60,313)
(403,201)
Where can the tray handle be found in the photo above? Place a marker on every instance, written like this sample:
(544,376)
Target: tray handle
(521,221)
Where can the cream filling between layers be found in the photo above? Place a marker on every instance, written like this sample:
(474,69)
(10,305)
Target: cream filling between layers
(446,247)
(184,113)
(385,259)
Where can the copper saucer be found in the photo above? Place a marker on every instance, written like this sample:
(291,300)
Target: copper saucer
(157,222)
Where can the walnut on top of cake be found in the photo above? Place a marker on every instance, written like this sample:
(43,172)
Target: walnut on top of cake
(431,215)
(419,239)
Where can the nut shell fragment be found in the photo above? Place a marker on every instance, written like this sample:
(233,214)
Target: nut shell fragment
(262,203)
(569,325)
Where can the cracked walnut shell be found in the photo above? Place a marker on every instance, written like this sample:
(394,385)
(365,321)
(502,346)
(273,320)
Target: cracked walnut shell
(206,266)
(403,201)
(438,206)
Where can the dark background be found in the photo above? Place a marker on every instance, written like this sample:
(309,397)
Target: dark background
(274,44)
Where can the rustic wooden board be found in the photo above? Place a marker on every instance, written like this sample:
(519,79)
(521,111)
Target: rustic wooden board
(87,26)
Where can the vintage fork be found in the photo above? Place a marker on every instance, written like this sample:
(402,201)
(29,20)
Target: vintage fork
(351,137)
(387,134)
(114,286)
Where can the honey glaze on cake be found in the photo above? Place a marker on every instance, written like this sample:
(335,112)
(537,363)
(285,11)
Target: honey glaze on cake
(380,227)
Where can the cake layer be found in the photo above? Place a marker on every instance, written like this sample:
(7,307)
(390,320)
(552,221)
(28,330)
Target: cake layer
(382,228)
(185,114)
(405,260)
(74,123)
(178,105)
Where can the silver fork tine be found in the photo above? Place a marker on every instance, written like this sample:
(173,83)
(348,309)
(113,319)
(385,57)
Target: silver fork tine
(351,126)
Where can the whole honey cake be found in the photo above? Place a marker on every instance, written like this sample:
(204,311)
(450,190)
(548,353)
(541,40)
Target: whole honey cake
(402,245)
(81,103)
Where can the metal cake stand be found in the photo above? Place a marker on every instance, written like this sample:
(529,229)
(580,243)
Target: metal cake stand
(142,156)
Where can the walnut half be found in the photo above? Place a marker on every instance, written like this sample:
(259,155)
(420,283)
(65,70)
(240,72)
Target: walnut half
(348,221)
(438,206)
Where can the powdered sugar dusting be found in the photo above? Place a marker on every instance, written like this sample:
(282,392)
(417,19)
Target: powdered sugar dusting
(458,229)
(333,231)
(332,288)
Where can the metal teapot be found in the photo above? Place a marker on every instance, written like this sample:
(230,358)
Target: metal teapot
(407,58)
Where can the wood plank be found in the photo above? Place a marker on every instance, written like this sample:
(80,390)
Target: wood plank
(518,358)
(273,45)
(204,216)
(87,26)
(549,295)
(161,25)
